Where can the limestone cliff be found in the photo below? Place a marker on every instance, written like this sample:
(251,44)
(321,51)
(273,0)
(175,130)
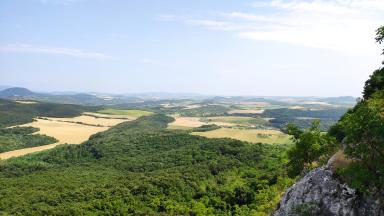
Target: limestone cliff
(321,193)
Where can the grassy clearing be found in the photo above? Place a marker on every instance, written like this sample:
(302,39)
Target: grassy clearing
(249,135)
(125,112)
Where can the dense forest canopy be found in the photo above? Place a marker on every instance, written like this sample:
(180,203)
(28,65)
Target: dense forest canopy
(141,168)
(22,137)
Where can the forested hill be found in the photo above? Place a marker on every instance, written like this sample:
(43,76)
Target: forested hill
(14,113)
(141,168)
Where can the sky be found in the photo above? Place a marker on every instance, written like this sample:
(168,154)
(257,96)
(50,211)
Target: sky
(213,47)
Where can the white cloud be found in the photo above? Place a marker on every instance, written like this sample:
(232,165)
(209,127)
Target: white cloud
(342,25)
(27,48)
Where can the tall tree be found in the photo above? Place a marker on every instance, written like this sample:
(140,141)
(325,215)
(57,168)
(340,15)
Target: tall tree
(310,145)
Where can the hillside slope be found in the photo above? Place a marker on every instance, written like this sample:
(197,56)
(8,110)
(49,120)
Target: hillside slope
(141,168)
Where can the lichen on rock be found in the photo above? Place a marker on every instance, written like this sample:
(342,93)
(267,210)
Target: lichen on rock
(320,192)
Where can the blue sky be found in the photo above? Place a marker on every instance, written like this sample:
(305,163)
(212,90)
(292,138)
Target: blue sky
(220,47)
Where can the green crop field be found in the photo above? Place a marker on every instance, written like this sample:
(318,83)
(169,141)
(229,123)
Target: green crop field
(125,112)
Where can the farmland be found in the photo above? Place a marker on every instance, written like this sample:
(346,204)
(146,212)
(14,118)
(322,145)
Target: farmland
(65,132)
(78,129)
(128,152)
(69,130)
(91,120)
(185,122)
(249,135)
(237,120)
(125,112)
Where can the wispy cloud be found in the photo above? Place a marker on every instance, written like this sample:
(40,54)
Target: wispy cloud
(342,25)
(27,48)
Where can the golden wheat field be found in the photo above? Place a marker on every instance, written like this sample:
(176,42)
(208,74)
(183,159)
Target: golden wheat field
(74,130)
(188,122)
(65,132)
(91,120)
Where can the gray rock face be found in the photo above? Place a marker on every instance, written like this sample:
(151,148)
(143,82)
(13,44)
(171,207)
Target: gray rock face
(320,193)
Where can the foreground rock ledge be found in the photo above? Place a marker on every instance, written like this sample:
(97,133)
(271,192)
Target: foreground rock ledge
(321,193)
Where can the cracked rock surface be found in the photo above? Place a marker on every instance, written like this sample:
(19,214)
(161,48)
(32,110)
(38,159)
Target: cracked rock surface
(321,193)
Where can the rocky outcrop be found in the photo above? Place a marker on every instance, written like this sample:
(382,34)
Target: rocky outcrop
(321,193)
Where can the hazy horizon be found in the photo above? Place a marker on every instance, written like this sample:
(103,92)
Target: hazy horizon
(152,93)
(230,48)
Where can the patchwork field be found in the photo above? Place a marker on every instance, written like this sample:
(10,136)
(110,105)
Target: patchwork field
(78,129)
(223,121)
(249,135)
(65,132)
(75,130)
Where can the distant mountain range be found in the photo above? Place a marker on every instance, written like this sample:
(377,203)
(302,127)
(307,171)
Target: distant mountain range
(18,93)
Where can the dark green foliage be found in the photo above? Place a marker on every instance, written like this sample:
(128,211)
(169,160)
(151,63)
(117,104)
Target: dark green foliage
(310,145)
(22,137)
(12,113)
(205,128)
(205,111)
(374,83)
(364,138)
(361,131)
(141,168)
(361,178)
(380,35)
